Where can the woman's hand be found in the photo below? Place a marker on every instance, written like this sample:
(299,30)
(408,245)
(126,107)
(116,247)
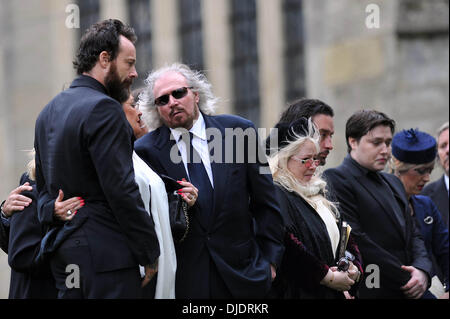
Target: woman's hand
(15,201)
(65,210)
(189,192)
(337,280)
(353,272)
(348,296)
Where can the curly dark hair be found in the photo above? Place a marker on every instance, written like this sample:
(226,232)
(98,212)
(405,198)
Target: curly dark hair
(101,36)
(305,108)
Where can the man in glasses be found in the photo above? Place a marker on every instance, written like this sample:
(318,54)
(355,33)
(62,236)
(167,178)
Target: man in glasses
(322,116)
(83,145)
(235,237)
(438,190)
(376,207)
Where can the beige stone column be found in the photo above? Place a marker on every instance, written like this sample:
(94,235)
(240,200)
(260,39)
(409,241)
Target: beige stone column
(164,19)
(64,43)
(114,9)
(270,48)
(217,49)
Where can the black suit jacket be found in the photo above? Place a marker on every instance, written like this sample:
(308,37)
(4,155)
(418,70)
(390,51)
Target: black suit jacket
(438,193)
(83,146)
(244,202)
(386,237)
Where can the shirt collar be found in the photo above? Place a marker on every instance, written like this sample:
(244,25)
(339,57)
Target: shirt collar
(198,129)
(446,181)
(362,169)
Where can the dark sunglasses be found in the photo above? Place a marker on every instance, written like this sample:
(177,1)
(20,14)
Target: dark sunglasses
(177,94)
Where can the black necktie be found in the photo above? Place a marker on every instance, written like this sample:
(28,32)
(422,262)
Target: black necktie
(199,178)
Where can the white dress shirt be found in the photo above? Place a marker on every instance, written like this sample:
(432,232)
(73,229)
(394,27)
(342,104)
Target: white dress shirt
(199,143)
(446,181)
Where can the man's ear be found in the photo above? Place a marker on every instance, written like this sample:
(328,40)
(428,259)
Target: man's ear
(104,59)
(353,142)
(197,97)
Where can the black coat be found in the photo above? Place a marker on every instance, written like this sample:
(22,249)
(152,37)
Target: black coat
(224,239)
(29,280)
(308,254)
(83,145)
(438,193)
(387,237)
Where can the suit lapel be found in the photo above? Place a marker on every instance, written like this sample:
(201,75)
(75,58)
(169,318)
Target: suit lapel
(216,143)
(379,197)
(402,203)
(167,149)
(442,195)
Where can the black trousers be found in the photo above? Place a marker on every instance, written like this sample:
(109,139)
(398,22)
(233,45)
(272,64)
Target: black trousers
(73,258)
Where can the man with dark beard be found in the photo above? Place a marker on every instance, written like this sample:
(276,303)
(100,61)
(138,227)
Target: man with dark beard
(84,148)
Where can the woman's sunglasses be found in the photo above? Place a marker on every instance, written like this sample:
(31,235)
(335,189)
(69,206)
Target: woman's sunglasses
(177,94)
(308,162)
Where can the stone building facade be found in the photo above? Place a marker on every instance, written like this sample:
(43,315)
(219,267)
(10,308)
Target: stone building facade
(390,55)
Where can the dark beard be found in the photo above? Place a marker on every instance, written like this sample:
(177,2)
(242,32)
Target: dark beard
(115,88)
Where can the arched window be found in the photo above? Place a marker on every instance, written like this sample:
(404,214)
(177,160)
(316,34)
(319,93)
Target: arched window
(190,31)
(89,14)
(294,60)
(140,20)
(245,60)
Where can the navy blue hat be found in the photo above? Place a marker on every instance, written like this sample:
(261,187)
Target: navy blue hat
(414,147)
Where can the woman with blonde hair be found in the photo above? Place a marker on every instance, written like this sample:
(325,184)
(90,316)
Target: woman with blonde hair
(313,236)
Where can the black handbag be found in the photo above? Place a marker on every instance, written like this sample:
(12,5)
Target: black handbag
(178,210)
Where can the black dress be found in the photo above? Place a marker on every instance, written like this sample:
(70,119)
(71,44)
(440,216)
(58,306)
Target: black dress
(308,253)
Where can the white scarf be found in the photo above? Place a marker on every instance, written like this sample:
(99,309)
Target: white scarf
(312,188)
(167,262)
(311,192)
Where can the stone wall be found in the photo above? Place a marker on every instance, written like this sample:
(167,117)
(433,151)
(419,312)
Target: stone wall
(400,68)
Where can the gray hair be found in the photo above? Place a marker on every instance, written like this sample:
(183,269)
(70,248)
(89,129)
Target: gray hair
(195,79)
(442,129)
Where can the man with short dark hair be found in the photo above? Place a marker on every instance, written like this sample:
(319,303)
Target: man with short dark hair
(84,147)
(438,190)
(321,115)
(376,207)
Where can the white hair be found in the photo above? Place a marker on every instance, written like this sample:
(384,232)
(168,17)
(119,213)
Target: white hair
(282,176)
(195,79)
